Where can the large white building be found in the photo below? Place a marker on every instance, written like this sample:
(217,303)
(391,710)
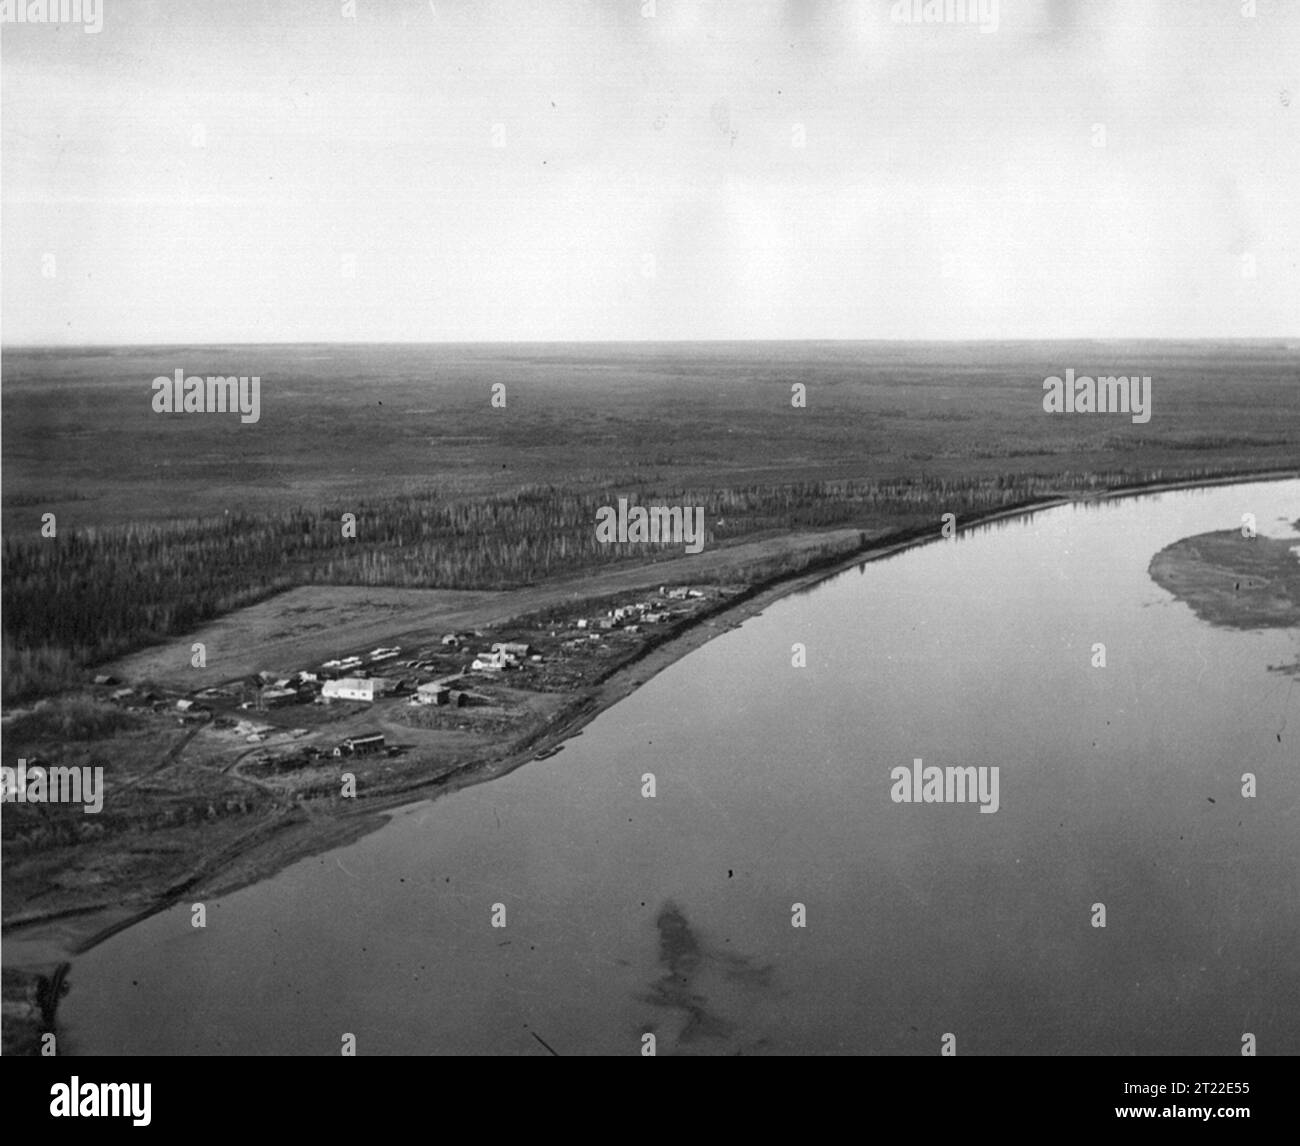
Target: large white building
(357,688)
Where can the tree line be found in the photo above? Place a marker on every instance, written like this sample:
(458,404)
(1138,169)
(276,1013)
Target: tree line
(84,597)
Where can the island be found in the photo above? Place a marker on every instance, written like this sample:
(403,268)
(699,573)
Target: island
(1234,581)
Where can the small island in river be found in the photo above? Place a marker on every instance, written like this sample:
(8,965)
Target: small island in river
(1233,581)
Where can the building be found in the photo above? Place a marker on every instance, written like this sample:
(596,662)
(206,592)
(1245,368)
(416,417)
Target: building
(350,688)
(278,697)
(513,648)
(496,661)
(362,744)
(432,693)
(368,688)
(247,728)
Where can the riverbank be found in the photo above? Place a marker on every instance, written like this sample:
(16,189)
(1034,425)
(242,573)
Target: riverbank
(728,615)
(298,833)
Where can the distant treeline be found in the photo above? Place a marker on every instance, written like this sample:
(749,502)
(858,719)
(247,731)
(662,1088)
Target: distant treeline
(81,598)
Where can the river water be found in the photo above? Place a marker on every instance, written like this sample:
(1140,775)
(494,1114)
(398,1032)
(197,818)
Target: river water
(673,915)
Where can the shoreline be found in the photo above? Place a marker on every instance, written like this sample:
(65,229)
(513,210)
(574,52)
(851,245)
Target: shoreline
(269,848)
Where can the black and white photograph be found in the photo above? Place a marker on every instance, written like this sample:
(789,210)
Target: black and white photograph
(651,528)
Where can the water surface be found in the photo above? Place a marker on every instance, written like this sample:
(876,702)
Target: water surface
(672,915)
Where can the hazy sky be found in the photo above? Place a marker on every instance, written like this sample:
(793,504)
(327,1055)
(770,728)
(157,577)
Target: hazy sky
(349,185)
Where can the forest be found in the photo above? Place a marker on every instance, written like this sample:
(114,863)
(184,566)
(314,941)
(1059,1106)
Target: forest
(83,597)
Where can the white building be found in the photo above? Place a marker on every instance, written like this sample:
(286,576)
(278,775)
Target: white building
(351,688)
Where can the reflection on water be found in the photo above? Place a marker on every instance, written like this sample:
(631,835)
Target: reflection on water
(687,966)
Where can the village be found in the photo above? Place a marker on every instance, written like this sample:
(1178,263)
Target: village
(258,765)
(446,691)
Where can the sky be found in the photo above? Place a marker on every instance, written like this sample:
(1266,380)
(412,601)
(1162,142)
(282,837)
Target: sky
(499,170)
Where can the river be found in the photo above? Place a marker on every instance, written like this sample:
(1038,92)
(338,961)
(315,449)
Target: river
(671,915)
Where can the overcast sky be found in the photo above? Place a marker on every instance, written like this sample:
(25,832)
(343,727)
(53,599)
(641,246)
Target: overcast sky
(235,170)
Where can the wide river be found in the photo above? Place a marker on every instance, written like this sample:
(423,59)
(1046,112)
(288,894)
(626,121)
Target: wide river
(674,914)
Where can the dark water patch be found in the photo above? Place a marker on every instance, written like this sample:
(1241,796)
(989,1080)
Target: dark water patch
(685,960)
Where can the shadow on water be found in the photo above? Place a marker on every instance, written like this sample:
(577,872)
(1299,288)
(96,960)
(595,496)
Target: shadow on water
(685,961)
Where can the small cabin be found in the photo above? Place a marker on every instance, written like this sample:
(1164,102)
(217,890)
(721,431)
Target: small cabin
(362,744)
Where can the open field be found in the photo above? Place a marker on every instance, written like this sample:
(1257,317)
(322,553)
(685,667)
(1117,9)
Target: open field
(310,624)
(347,424)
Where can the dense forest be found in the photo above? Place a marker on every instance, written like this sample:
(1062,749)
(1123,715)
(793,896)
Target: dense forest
(80,598)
